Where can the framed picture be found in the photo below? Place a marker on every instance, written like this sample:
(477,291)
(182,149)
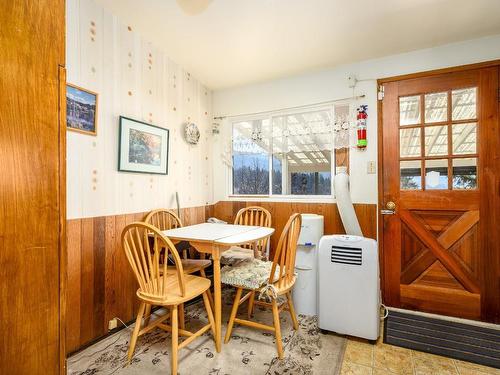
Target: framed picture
(81,110)
(143,148)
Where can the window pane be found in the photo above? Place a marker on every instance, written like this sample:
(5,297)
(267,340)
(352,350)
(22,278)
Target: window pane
(251,141)
(463,104)
(464,139)
(409,110)
(409,142)
(310,183)
(410,175)
(436,174)
(436,140)
(465,173)
(302,149)
(436,107)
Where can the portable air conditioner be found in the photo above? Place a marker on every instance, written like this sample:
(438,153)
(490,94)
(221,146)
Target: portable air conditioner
(349,285)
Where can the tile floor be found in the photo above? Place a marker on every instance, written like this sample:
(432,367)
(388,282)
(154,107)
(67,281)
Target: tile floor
(362,358)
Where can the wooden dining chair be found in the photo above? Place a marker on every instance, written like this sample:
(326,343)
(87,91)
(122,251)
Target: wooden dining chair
(164,219)
(159,284)
(274,278)
(259,216)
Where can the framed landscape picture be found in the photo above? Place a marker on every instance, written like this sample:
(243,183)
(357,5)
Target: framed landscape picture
(81,110)
(143,148)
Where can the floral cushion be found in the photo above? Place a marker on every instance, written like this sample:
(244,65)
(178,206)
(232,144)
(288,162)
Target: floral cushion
(236,254)
(250,274)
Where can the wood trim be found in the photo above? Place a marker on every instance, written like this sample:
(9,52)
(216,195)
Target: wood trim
(425,298)
(381,203)
(456,230)
(63,253)
(402,77)
(489,181)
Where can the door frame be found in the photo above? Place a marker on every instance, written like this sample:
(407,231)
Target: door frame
(380,150)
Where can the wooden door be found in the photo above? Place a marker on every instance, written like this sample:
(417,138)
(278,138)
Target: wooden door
(440,186)
(32,163)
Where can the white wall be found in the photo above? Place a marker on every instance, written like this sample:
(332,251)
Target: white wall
(113,64)
(332,84)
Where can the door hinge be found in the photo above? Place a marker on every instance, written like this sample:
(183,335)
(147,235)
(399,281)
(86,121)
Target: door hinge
(380,95)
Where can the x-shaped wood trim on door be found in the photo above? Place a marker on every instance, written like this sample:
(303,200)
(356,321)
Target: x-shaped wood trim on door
(437,248)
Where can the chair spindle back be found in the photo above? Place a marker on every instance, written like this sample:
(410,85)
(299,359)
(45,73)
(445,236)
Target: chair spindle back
(163,219)
(145,247)
(286,251)
(258,216)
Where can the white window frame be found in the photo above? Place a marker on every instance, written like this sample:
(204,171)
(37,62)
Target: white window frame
(282,197)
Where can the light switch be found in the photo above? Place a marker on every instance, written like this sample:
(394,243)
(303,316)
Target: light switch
(371,168)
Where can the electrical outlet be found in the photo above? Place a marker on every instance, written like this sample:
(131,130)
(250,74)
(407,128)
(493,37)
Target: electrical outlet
(371,167)
(113,323)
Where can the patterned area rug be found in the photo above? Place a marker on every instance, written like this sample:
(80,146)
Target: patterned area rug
(250,351)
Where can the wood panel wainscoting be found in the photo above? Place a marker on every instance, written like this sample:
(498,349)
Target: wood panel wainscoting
(281,211)
(101,285)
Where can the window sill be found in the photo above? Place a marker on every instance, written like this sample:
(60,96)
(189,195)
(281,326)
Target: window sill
(283,198)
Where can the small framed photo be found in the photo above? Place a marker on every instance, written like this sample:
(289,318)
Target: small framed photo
(143,148)
(81,110)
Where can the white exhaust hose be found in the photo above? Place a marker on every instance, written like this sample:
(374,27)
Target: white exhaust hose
(344,204)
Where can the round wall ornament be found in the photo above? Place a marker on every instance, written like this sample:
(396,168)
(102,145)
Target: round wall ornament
(191,133)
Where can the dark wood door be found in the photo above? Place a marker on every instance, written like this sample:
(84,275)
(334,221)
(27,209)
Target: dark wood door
(32,163)
(440,204)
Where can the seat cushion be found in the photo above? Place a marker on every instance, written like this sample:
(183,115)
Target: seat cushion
(249,274)
(236,254)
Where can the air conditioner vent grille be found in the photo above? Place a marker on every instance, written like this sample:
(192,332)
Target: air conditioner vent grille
(346,255)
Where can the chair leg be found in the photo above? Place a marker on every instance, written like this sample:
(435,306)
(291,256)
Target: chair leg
(292,311)
(234,311)
(209,293)
(209,313)
(147,314)
(277,328)
(135,334)
(250,304)
(181,316)
(175,338)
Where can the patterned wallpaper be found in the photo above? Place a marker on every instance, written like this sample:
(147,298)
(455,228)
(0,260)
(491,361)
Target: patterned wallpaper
(135,79)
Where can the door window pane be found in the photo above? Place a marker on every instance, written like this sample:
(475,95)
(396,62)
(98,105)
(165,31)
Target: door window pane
(463,104)
(409,110)
(436,174)
(436,140)
(465,173)
(410,175)
(409,142)
(436,107)
(251,157)
(464,139)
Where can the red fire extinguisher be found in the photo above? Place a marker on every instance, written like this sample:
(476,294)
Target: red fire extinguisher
(361,126)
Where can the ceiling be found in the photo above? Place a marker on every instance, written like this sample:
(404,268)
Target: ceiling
(226,43)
